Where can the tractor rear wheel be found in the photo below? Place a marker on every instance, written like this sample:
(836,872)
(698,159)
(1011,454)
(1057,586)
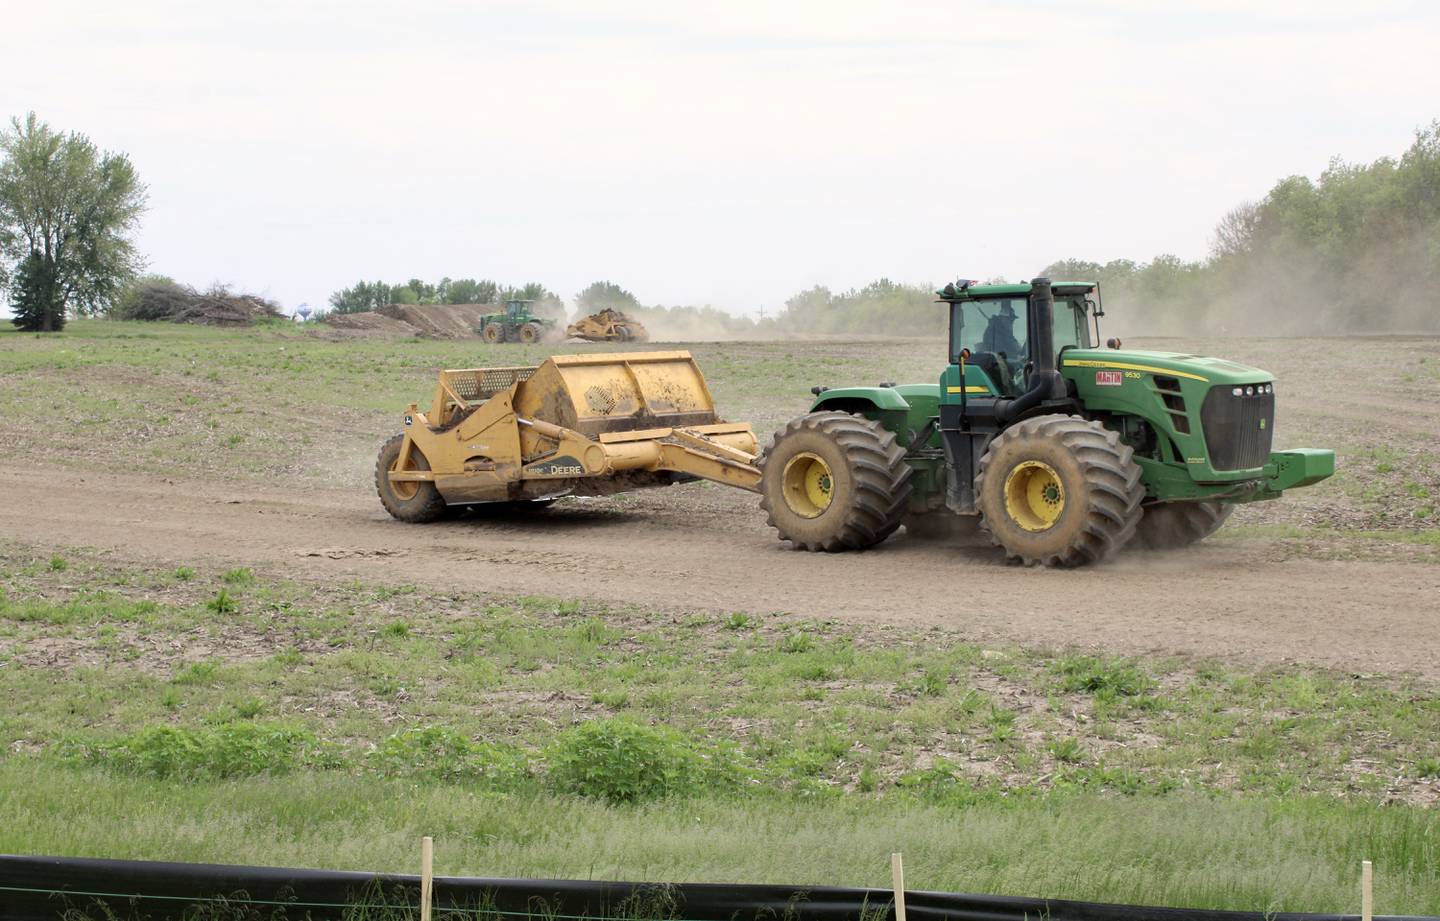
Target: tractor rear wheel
(1171,525)
(530,333)
(416,501)
(623,333)
(493,333)
(834,481)
(1059,491)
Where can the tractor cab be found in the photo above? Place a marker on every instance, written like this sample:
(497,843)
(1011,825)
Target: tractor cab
(518,311)
(994,327)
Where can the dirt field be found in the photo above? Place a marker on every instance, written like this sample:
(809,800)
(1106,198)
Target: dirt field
(1343,575)
(708,550)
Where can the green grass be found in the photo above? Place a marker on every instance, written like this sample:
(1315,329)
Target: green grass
(237,716)
(545,737)
(771,705)
(1252,854)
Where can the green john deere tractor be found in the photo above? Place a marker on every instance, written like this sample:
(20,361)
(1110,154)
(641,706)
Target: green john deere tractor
(518,323)
(1066,450)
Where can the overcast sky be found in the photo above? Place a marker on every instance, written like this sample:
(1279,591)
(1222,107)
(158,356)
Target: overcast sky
(726,153)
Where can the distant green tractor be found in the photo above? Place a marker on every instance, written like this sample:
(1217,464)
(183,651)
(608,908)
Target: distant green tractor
(516,324)
(1065,450)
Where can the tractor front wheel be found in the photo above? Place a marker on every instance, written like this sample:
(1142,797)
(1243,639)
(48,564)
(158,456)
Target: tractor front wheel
(1172,525)
(493,333)
(415,501)
(530,333)
(1059,491)
(834,481)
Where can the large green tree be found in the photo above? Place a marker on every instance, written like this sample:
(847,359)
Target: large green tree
(605,294)
(363,297)
(467,291)
(35,302)
(67,212)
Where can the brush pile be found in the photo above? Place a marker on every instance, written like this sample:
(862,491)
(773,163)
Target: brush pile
(160,299)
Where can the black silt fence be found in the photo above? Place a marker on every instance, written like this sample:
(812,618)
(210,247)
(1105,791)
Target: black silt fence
(49,888)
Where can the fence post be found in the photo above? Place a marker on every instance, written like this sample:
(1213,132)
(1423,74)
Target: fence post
(1367,894)
(427,875)
(897,873)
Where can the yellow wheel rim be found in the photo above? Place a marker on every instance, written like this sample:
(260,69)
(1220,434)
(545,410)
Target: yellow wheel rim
(1034,495)
(404,490)
(808,485)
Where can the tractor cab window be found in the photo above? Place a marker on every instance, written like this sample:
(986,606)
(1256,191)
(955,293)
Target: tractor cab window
(1071,327)
(995,332)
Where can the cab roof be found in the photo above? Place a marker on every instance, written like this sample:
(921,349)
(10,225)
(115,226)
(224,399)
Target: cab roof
(1020,289)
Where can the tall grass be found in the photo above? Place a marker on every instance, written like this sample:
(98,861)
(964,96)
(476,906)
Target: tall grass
(1258,854)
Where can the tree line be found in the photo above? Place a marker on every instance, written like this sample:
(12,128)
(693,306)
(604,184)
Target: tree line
(1355,250)
(365,296)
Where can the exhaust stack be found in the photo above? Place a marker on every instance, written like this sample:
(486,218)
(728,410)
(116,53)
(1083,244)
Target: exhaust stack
(1045,381)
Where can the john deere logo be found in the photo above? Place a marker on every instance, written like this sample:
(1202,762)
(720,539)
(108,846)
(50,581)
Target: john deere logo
(561,466)
(1262,424)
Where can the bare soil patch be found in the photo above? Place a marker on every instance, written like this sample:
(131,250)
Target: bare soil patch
(707,549)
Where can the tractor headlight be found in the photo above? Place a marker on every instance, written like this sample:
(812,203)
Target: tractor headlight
(1249,391)
(1237,392)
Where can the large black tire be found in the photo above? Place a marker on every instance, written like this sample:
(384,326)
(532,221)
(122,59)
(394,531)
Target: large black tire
(1059,491)
(623,333)
(531,333)
(493,333)
(1172,525)
(853,464)
(424,504)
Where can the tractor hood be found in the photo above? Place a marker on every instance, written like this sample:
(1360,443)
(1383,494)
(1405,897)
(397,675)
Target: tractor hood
(1074,362)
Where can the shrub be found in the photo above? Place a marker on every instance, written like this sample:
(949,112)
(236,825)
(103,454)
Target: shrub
(444,754)
(222,603)
(794,643)
(153,297)
(1094,675)
(623,761)
(233,750)
(1067,750)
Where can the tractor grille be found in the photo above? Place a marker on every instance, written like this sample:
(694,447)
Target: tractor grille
(1238,430)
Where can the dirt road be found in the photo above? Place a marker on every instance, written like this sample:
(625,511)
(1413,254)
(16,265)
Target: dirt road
(707,549)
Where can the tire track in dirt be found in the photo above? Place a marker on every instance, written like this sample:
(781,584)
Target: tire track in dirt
(709,550)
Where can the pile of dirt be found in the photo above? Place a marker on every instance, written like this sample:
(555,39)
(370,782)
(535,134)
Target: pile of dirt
(369,324)
(430,321)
